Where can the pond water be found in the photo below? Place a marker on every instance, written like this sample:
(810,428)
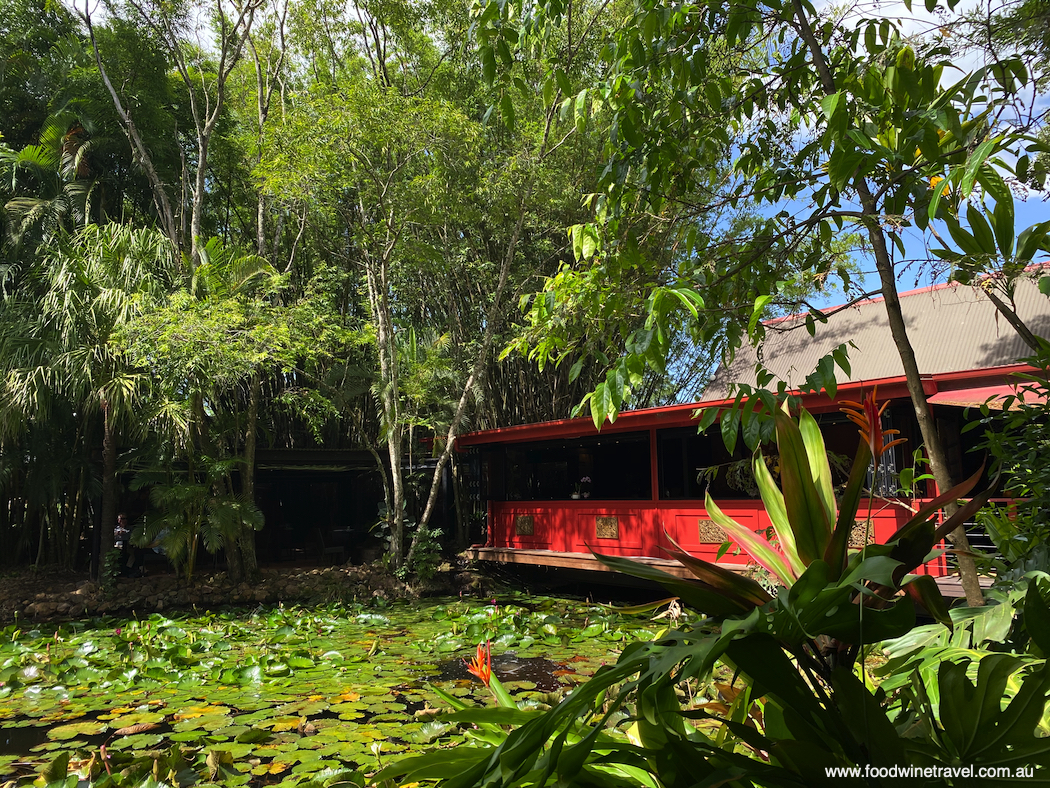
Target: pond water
(279,695)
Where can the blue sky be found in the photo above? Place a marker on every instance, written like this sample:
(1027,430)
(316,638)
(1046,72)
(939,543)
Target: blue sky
(917,267)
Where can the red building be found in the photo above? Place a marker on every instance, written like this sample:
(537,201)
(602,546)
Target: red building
(555,490)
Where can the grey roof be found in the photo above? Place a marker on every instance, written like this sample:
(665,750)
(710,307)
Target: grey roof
(953,328)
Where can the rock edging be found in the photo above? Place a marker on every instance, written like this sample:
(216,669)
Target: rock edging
(79,597)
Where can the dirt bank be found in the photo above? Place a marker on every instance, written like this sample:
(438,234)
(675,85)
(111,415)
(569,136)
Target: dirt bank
(54,595)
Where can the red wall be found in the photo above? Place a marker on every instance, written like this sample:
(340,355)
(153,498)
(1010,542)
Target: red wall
(571,527)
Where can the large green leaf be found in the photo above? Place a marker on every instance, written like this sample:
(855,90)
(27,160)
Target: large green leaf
(694,593)
(1037,616)
(773,500)
(758,547)
(806,510)
(924,590)
(867,721)
(977,729)
(819,466)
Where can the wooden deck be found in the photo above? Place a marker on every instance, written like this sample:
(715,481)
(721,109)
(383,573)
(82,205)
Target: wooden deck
(950,585)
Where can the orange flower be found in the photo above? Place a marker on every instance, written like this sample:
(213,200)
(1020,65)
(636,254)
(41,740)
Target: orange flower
(481,665)
(868,416)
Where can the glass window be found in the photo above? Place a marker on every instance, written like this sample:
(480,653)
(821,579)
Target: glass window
(606,467)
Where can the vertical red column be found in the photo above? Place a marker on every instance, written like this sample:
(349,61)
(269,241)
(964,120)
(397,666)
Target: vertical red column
(655,520)
(654,471)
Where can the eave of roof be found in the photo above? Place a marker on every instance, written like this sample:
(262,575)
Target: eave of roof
(683,415)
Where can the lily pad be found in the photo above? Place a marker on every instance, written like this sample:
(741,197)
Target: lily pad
(136,718)
(74,729)
(141,741)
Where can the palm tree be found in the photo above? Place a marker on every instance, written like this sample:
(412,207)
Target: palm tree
(63,347)
(48,184)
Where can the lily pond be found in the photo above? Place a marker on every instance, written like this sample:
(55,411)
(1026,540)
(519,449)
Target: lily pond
(277,696)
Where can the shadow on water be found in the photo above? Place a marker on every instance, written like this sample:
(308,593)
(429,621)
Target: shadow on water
(508,667)
(21,740)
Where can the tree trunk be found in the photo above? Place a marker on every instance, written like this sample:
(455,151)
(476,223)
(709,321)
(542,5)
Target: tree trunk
(231,543)
(108,517)
(160,195)
(491,321)
(927,426)
(462,538)
(887,276)
(386,341)
(198,199)
(247,538)
(78,518)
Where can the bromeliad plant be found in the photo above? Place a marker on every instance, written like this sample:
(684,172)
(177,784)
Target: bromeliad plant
(802,708)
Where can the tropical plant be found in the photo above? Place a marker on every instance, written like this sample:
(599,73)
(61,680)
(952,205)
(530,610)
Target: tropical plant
(190,510)
(49,183)
(1003,646)
(58,351)
(802,708)
(1016,432)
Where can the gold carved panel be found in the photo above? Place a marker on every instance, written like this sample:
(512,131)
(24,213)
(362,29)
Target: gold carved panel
(524,525)
(857,533)
(607,527)
(710,533)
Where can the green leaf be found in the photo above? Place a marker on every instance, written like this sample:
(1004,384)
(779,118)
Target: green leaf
(924,590)
(973,166)
(1021,168)
(818,461)
(57,770)
(730,425)
(710,414)
(773,500)
(841,357)
(754,545)
(806,511)
(590,242)
(935,201)
(756,314)
(964,239)
(982,233)
(575,369)
(1002,218)
(866,717)
(693,593)
(488,65)
(830,105)
(843,165)
(1032,240)
(1037,616)
(838,546)
(253,736)
(506,104)
(603,405)
(580,110)
(576,236)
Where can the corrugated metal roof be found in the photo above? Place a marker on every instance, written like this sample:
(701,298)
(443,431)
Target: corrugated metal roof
(994,397)
(953,328)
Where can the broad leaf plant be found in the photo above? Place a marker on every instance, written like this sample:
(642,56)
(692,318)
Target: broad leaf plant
(800,701)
